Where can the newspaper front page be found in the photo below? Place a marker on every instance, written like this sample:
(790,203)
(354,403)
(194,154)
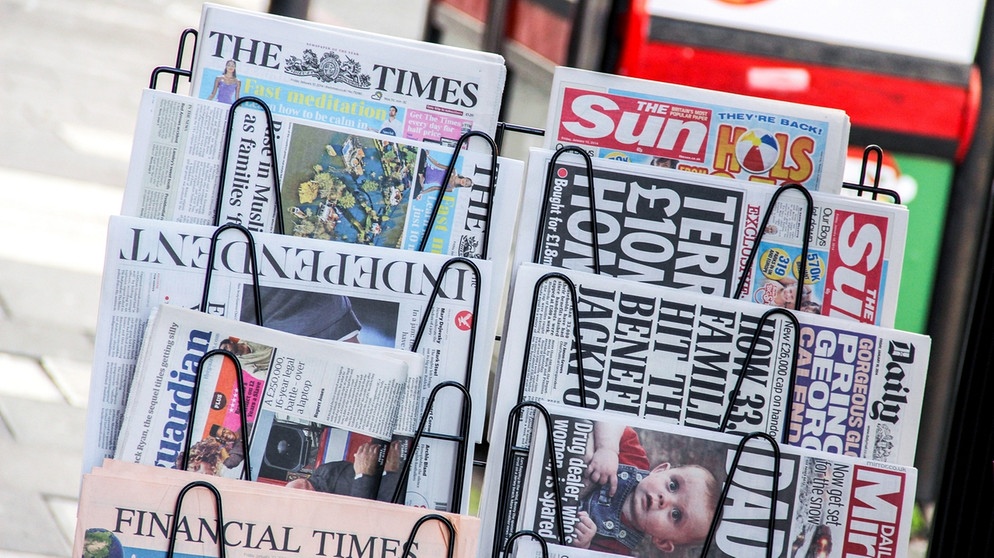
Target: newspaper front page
(409,89)
(127,510)
(695,232)
(317,411)
(318,289)
(668,482)
(338,183)
(698,130)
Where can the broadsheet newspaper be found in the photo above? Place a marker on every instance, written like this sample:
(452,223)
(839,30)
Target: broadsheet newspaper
(673,356)
(127,511)
(320,414)
(329,290)
(696,232)
(337,183)
(826,505)
(410,89)
(698,130)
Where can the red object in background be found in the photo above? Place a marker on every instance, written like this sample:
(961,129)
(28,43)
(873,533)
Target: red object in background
(543,27)
(938,114)
(477,9)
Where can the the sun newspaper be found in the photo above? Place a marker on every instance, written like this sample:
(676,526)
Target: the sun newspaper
(825,505)
(697,232)
(328,290)
(349,78)
(697,130)
(656,354)
(128,510)
(319,413)
(337,183)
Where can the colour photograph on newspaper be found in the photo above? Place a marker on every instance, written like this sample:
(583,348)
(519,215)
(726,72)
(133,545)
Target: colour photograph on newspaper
(698,130)
(652,490)
(409,89)
(696,232)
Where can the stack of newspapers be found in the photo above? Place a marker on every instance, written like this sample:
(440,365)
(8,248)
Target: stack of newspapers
(699,356)
(667,330)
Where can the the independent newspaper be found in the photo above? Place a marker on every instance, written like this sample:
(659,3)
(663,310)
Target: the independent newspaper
(128,510)
(329,290)
(312,407)
(698,130)
(354,79)
(338,183)
(696,232)
(825,505)
(657,354)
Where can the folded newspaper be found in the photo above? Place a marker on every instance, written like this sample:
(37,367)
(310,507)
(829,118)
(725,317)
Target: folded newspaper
(698,130)
(649,489)
(328,290)
(337,183)
(696,232)
(320,414)
(127,510)
(410,89)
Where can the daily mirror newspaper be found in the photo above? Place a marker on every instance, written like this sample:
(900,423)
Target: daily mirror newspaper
(410,89)
(691,231)
(659,495)
(328,290)
(698,130)
(128,510)
(338,183)
(319,413)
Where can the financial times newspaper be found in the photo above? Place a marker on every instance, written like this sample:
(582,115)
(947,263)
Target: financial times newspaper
(128,510)
(826,505)
(347,78)
(318,289)
(695,232)
(698,130)
(337,183)
(656,354)
(317,411)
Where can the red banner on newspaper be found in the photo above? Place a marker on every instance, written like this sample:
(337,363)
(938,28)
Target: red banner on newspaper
(856,264)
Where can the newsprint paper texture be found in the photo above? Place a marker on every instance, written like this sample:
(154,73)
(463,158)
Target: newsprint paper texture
(338,183)
(317,410)
(127,511)
(669,480)
(696,232)
(698,130)
(410,89)
(329,290)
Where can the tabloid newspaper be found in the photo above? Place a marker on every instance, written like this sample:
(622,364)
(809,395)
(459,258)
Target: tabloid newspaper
(655,354)
(329,290)
(696,232)
(826,505)
(320,414)
(337,183)
(410,89)
(698,130)
(127,510)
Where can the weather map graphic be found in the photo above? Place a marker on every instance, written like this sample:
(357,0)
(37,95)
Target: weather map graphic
(757,151)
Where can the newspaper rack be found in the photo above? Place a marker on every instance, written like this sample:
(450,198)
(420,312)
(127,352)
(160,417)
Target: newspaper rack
(874,188)
(449,170)
(174,527)
(256,292)
(546,194)
(177,69)
(716,520)
(525,533)
(271,136)
(242,413)
(461,439)
(450,529)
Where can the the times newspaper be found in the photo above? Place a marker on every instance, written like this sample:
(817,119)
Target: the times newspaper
(320,414)
(128,510)
(698,130)
(337,183)
(329,290)
(696,232)
(668,481)
(410,89)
